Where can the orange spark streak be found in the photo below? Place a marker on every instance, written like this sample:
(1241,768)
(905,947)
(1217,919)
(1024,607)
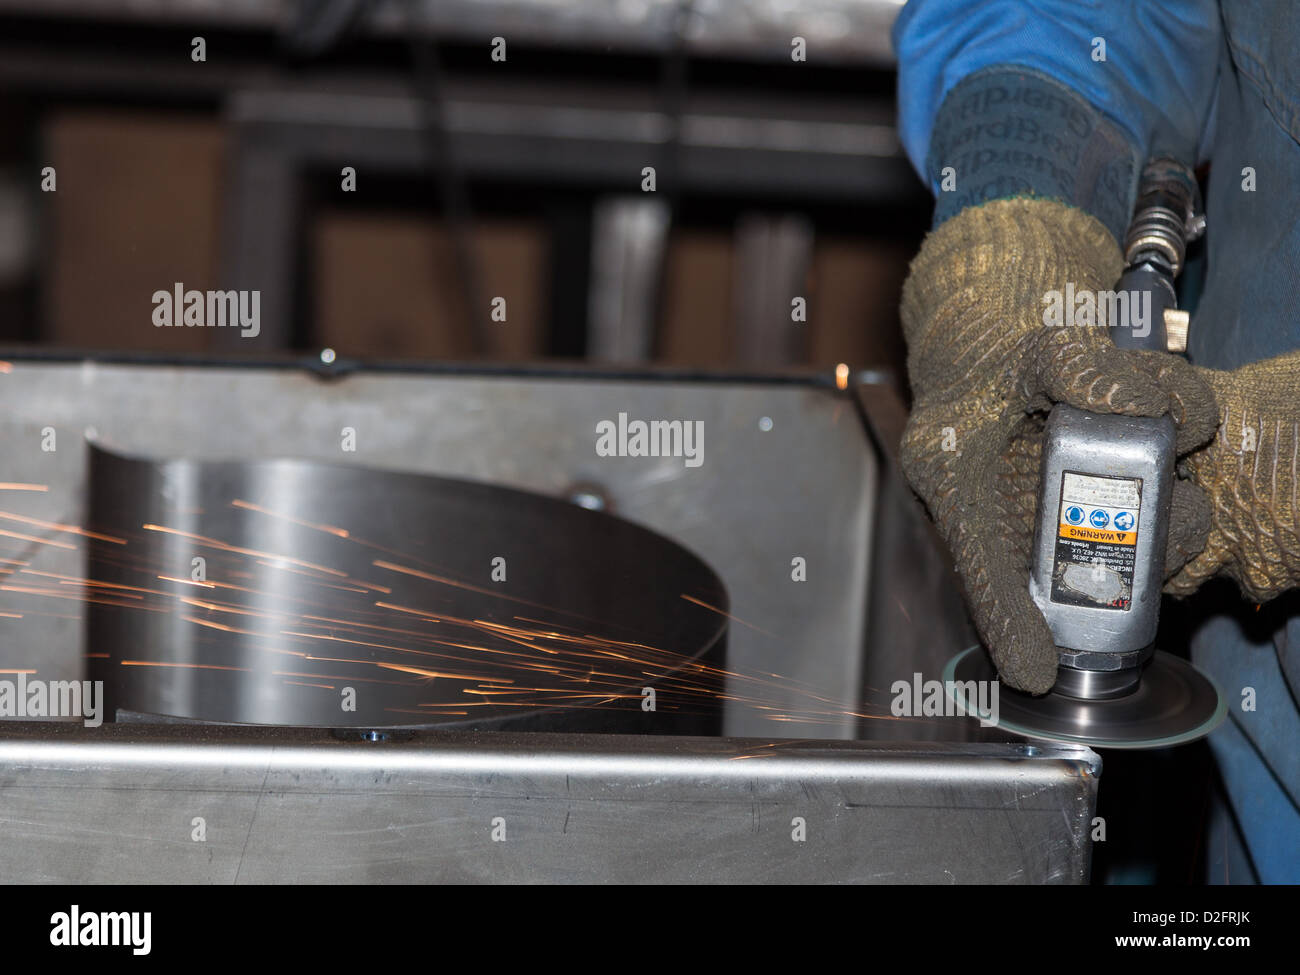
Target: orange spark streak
(80,597)
(210,584)
(187,582)
(367,680)
(423,672)
(407,609)
(35,538)
(161,663)
(735,619)
(420,671)
(223,546)
(229,608)
(444,580)
(18,486)
(313,576)
(93,583)
(55,526)
(249,506)
(218,626)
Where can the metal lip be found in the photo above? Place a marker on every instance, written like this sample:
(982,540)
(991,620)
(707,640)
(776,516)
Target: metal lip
(471,368)
(595,756)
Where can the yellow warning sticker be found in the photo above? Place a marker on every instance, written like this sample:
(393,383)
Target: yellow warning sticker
(1098,535)
(1096,540)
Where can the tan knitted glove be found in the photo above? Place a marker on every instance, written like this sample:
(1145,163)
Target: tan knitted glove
(1250,472)
(985,370)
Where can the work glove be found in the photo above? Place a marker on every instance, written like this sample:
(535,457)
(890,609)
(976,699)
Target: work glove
(985,370)
(1250,472)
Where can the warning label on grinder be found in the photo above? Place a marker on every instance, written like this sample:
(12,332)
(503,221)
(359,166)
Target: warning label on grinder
(1096,540)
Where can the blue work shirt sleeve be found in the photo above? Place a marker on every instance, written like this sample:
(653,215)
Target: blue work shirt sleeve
(1062,98)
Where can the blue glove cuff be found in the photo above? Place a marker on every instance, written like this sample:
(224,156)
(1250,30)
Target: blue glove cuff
(1009,131)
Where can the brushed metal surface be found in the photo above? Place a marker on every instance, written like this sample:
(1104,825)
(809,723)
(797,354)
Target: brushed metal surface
(338,596)
(277,805)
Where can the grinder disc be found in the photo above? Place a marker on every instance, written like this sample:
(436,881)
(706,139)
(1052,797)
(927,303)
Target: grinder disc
(1173,704)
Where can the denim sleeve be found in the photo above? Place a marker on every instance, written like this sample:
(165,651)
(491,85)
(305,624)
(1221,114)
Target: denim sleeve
(1061,98)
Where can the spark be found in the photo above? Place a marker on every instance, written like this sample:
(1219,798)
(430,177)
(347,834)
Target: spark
(66,529)
(722,612)
(224,547)
(188,582)
(182,666)
(217,626)
(330,529)
(38,540)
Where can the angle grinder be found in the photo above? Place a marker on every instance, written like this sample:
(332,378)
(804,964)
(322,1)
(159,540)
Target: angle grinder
(1103,520)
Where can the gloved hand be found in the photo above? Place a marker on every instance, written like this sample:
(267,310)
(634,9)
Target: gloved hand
(985,370)
(1251,472)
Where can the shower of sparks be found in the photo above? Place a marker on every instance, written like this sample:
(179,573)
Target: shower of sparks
(399,622)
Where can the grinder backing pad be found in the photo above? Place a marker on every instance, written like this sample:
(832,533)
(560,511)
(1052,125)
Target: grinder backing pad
(1172,704)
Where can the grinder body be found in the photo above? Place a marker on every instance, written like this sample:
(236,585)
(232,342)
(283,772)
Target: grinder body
(1099,544)
(1107,480)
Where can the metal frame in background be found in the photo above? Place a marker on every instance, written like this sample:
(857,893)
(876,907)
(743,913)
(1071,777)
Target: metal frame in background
(840,31)
(550,134)
(843,149)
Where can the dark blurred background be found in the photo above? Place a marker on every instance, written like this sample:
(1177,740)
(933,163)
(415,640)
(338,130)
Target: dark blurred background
(476,178)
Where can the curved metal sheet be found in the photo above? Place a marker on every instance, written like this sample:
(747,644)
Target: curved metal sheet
(297,593)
